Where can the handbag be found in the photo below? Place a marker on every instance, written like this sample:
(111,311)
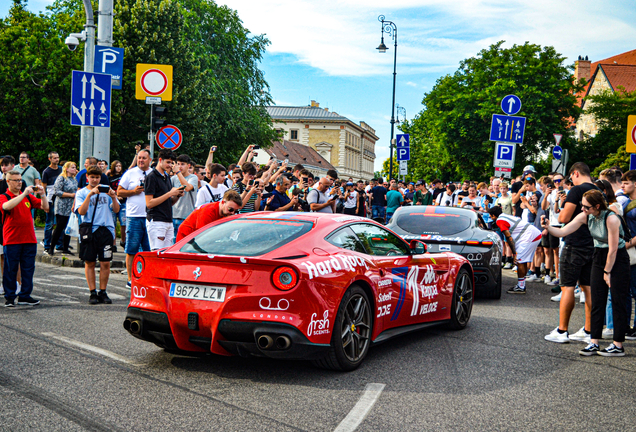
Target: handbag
(86,228)
(72,227)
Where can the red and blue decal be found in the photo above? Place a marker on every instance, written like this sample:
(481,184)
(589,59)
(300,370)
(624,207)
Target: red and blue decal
(400,277)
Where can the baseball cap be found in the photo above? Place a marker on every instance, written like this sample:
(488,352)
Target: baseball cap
(349,184)
(419,183)
(529,168)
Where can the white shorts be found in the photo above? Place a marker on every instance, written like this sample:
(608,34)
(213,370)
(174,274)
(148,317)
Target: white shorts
(160,234)
(525,250)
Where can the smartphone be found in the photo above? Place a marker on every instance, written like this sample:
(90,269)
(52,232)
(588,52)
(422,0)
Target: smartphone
(103,189)
(141,183)
(560,188)
(182,187)
(286,161)
(251,183)
(213,148)
(256,147)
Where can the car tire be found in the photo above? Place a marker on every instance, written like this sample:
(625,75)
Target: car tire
(351,335)
(462,303)
(493,293)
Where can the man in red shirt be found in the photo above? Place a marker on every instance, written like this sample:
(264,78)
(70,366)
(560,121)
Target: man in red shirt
(20,245)
(208,213)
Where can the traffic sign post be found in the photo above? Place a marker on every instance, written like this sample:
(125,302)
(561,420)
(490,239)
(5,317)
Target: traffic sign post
(404,168)
(507,128)
(169,137)
(506,172)
(153,81)
(632,161)
(557,152)
(90,99)
(511,104)
(110,60)
(403,153)
(402,140)
(504,155)
(630,145)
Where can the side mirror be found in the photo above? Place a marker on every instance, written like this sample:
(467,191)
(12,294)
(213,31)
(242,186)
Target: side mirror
(417,247)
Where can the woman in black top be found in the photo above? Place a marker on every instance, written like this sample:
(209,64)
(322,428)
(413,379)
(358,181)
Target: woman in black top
(116,172)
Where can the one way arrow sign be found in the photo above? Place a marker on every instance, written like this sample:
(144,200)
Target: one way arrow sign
(403,140)
(90,99)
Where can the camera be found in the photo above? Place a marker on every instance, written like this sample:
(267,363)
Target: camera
(72,41)
(256,147)
(103,189)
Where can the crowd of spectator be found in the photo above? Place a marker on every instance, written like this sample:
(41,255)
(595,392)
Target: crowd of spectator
(572,233)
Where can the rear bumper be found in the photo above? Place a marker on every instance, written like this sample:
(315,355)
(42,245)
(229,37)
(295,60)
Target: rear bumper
(236,337)
(485,277)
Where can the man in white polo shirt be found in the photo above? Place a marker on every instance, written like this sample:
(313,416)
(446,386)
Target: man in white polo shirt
(131,186)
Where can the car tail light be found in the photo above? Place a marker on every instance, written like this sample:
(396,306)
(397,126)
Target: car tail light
(472,242)
(285,278)
(138,266)
(478,243)
(487,243)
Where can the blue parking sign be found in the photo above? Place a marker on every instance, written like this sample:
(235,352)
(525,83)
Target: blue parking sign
(403,153)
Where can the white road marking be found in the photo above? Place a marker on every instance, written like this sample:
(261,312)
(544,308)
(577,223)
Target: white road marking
(67,277)
(361,409)
(91,348)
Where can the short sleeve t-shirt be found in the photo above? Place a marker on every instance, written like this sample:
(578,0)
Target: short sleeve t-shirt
(136,204)
(185,205)
(513,190)
(506,204)
(18,223)
(250,206)
(29,174)
(49,175)
(471,202)
(393,200)
(581,237)
(103,214)
(202,216)
(316,197)
(157,185)
(379,196)
(352,200)
(207,194)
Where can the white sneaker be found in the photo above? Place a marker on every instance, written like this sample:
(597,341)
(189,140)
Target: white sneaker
(557,298)
(557,337)
(547,280)
(555,282)
(577,292)
(608,333)
(580,336)
(508,266)
(582,298)
(532,278)
(514,269)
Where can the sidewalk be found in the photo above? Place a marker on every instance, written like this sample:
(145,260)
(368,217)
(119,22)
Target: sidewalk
(118,262)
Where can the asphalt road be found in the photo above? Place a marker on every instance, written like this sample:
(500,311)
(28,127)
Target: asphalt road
(67,365)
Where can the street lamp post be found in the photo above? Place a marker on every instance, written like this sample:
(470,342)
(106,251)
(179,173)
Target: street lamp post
(390,28)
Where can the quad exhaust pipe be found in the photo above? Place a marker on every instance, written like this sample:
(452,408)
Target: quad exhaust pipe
(133,326)
(280,342)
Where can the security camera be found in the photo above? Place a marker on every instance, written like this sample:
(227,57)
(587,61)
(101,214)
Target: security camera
(71,43)
(73,40)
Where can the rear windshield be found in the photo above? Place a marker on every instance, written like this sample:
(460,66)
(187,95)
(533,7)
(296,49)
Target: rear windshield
(246,237)
(432,223)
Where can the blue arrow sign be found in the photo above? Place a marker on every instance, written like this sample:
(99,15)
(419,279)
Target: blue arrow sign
(403,140)
(110,60)
(403,153)
(511,104)
(507,128)
(90,99)
(632,161)
(557,152)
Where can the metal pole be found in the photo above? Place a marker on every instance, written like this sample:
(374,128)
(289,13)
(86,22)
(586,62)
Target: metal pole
(86,132)
(151,137)
(393,102)
(101,146)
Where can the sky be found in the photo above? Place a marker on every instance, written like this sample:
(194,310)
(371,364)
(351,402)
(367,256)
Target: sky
(325,50)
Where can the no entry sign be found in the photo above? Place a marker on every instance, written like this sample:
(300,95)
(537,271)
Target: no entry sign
(153,81)
(169,137)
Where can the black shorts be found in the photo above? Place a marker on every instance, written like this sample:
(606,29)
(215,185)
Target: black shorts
(575,265)
(549,241)
(100,246)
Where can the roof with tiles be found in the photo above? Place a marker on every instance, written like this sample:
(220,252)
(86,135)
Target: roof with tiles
(298,154)
(621,77)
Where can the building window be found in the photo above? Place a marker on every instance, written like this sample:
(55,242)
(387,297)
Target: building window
(293,134)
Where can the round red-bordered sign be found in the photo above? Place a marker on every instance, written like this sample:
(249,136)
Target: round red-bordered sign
(169,137)
(154,82)
(634,135)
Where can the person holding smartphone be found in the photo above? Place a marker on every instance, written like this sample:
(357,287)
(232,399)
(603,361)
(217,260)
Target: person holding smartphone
(318,199)
(95,204)
(248,189)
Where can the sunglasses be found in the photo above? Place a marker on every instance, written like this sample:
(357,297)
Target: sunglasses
(587,208)
(231,210)
(557,180)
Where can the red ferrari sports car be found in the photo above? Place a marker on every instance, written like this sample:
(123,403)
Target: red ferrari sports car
(315,286)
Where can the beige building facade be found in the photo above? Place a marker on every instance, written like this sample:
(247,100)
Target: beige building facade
(348,146)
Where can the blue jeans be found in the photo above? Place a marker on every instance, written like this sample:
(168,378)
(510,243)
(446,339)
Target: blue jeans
(378,211)
(48,231)
(609,316)
(136,235)
(22,256)
(176,223)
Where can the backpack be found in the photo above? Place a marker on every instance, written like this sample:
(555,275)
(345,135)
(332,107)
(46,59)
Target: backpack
(627,234)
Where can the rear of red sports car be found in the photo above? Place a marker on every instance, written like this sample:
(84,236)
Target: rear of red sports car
(235,289)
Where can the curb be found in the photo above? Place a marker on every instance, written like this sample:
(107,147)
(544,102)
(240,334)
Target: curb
(63,261)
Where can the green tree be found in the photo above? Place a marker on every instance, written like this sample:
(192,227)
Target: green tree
(610,110)
(450,135)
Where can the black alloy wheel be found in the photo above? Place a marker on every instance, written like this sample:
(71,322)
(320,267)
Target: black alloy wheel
(462,304)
